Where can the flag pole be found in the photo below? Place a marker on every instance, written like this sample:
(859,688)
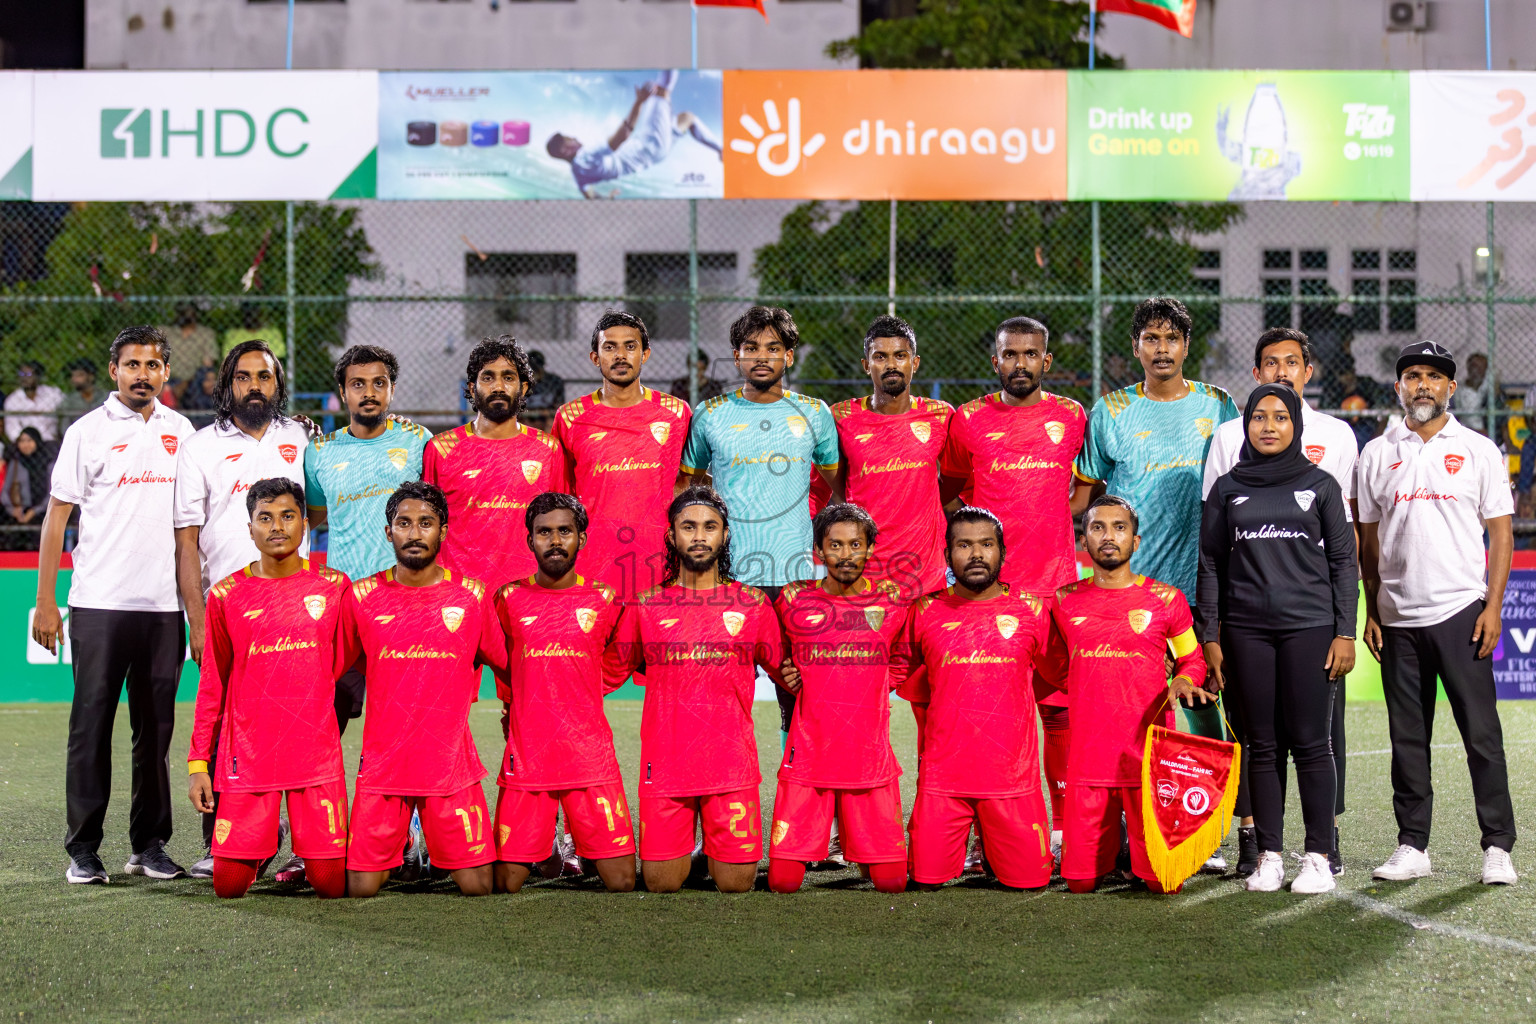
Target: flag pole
(1093,11)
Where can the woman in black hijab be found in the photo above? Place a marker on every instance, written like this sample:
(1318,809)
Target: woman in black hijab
(29,472)
(1277,599)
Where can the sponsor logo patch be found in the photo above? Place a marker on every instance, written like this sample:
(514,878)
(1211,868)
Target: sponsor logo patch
(661,430)
(453,618)
(1167,792)
(1055,430)
(1204,426)
(586,618)
(734,621)
(170,442)
(1140,619)
(398,457)
(222,828)
(874,616)
(1304,498)
(315,605)
(1453,464)
(289,452)
(796,425)
(922,431)
(1007,625)
(531,469)
(1315,452)
(780,830)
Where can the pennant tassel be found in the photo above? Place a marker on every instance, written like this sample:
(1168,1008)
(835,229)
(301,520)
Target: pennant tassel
(1174,862)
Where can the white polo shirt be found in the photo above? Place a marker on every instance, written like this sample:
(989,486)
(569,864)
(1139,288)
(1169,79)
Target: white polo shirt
(121,470)
(1431,500)
(1327,440)
(217,465)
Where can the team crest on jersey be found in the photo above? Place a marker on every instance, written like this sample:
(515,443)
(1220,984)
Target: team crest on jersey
(1007,625)
(1315,452)
(780,830)
(170,442)
(531,469)
(922,431)
(453,618)
(661,430)
(1453,464)
(1140,619)
(1055,430)
(289,452)
(1205,426)
(1305,498)
(733,622)
(315,605)
(586,618)
(796,425)
(874,616)
(221,829)
(398,457)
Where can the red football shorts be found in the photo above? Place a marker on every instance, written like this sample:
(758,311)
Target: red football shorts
(1090,834)
(596,816)
(1014,834)
(733,830)
(246,826)
(456,828)
(869,823)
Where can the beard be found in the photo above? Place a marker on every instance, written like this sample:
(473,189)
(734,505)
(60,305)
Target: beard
(1414,409)
(1113,561)
(699,564)
(893,384)
(555,568)
(623,375)
(764,385)
(369,420)
(977,587)
(499,413)
(255,410)
(1020,387)
(415,559)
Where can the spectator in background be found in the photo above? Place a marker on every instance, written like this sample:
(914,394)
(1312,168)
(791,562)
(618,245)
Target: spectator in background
(1356,396)
(1117,374)
(194,347)
(709,387)
(252,329)
(201,393)
(28,470)
(83,395)
(545,396)
(1471,401)
(32,395)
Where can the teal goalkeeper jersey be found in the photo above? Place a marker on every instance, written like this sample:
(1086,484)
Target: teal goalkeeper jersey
(1153,455)
(761,457)
(353,480)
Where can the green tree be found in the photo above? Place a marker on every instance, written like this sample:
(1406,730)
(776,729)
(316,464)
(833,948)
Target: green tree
(978,34)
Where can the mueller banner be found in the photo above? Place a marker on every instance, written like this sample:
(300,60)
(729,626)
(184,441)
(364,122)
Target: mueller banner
(550,135)
(1474,135)
(15,135)
(1238,135)
(896,134)
(204,135)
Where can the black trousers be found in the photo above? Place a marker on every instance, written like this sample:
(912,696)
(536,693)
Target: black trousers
(1412,659)
(143,649)
(1233,696)
(1286,705)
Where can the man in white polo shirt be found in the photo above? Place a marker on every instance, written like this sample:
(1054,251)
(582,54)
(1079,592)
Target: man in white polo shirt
(250,439)
(1428,488)
(1285,354)
(118,464)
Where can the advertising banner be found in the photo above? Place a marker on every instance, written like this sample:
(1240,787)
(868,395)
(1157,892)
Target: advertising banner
(1514,660)
(896,134)
(1474,135)
(1238,135)
(204,135)
(15,135)
(550,135)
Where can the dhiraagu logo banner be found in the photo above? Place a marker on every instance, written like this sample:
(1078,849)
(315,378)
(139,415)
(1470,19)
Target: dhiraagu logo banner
(1239,135)
(198,135)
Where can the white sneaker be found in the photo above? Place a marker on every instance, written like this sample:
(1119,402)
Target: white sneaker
(1316,875)
(1405,863)
(1498,869)
(1270,875)
(1217,865)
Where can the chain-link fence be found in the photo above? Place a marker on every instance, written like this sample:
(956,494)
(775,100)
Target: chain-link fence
(429,279)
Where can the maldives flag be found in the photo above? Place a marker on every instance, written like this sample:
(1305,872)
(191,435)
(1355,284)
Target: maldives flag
(757,5)
(1178,15)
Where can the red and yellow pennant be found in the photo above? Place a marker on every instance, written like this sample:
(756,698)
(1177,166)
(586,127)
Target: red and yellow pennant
(1188,790)
(1178,15)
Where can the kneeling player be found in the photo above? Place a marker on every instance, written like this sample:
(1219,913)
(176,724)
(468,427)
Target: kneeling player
(425,631)
(701,636)
(272,657)
(978,642)
(559,745)
(1116,628)
(838,760)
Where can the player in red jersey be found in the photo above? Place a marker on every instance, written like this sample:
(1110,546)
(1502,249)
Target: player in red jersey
(838,762)
(701,637)
(425,631)
(1114,631)
(559,755)
(273,653)
(892,441)
(1012,451)
(490,468)
(976,643)
(623,445)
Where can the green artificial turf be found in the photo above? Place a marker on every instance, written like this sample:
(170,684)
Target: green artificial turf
(1443,948)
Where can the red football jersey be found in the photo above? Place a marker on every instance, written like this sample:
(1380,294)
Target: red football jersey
(425,647)
(489,484)
(700,650)
(274,651)
(978,658)
(1017,463)
(1112,643)
(841,733)
(893,472)
(622,464)
(558,735)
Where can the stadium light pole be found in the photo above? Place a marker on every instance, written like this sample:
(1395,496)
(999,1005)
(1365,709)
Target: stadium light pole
(288,326)
(1095,257)
(1491,401)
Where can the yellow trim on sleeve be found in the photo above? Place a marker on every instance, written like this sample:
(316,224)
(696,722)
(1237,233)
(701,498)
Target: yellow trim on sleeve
(1184,643)
(197,767)
(689,470)
(1084,479)
(830,469)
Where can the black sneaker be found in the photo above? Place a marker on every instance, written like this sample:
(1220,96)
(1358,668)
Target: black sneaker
(86,869)
(154,862)
(1335,862)
(1247,850)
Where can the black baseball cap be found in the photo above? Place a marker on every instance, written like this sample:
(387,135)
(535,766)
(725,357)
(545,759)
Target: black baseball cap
(1427,353)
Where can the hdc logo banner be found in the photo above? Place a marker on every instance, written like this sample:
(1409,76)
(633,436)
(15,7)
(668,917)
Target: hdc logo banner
(188,135)
(1474,135)
(895,134)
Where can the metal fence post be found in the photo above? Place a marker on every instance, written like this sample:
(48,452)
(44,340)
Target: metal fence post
(289,333)
(890,261)
(1094,321)
(693,302)
(1493,365)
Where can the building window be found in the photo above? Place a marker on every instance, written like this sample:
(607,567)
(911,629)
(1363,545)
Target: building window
(1392,274)
(666,273)
(1289,274)
(525,286)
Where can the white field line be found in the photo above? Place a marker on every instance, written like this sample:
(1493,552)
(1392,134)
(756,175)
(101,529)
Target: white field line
(1433,746)
(1427,924)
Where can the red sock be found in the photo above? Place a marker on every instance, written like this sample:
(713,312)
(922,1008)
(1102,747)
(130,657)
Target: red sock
(785,875)
(329,877)
(889,877)
(1056,738)
(1081,885)
(231,878)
